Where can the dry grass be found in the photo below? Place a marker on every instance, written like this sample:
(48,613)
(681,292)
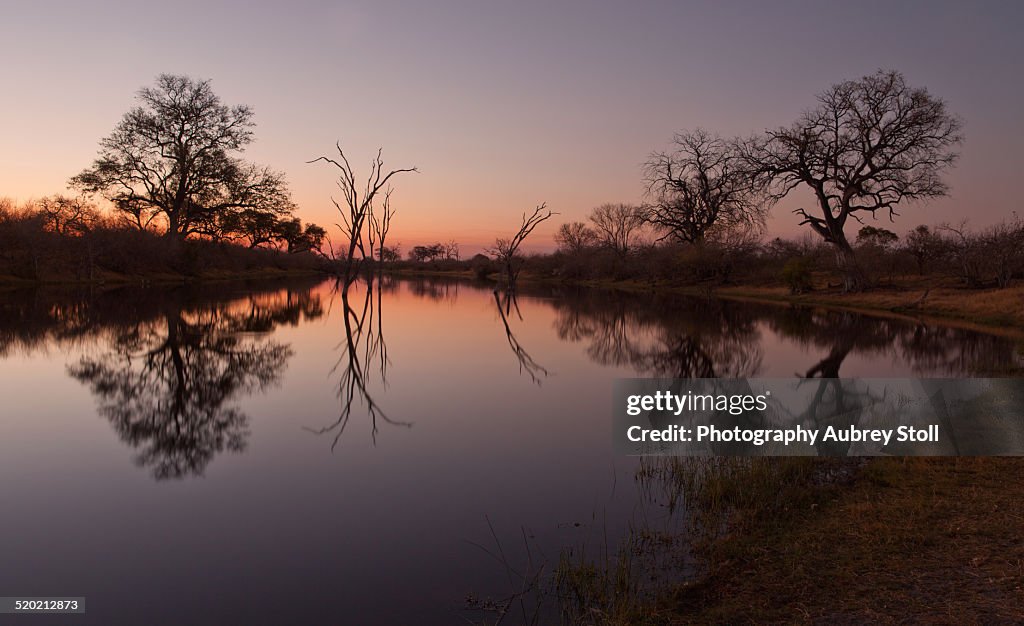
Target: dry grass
(914,540)
(989,308)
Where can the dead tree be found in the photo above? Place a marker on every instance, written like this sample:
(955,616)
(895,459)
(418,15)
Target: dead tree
(358,209)
(379,227)
(507,250)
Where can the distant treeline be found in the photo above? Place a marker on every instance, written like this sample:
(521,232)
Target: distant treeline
(68,239)
(616,244)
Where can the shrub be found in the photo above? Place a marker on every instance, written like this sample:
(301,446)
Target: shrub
(796,274)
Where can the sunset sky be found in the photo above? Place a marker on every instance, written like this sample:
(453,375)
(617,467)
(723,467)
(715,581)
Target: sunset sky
(503,105)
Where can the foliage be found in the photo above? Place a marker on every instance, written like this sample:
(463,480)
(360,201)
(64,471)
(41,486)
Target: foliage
(876,237)
(796,274)
(172,163)
(57,239)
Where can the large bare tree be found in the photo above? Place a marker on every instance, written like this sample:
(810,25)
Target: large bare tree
(869,145)
(174,159)
(703,182)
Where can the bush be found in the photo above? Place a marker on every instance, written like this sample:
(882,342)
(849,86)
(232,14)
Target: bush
(796,274)
(482,266)
(34,246)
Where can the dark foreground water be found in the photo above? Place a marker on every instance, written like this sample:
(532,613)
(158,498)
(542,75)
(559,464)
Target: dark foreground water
(274,453)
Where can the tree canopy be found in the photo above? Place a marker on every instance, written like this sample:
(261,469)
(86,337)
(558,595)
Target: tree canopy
(172,163)
(869,145)
(703,182)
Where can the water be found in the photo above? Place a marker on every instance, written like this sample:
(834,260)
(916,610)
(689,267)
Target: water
(186,455)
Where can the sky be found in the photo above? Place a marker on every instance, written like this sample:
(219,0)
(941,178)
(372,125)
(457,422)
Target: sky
(505,105)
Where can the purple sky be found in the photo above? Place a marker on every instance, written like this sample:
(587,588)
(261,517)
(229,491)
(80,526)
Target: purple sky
(503,106)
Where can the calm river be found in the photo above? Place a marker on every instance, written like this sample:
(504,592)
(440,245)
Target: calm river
(274,453)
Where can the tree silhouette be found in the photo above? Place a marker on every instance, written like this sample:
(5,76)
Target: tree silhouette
(172,158)
(702,183)
(506,250)
(360,225)
(870,144)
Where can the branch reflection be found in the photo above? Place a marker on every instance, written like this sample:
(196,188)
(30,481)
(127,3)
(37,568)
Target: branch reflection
(364,356)
(505,304)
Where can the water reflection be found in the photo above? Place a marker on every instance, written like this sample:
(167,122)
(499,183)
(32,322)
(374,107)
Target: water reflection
(677,338)
(691,337)
(438,290)
(507,302)
(166,369)
(169,371)
(364,354)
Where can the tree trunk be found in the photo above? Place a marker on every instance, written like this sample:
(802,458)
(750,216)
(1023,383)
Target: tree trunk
(853,275)
(173,226)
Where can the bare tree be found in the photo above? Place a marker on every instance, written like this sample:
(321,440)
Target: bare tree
(451,250)
(575,237)
(1004,245)
(68,216)
(171,158)
(380,225)
(506,251)
(869,145)
(993,255)
(703,182)
(617,226)
(358,209)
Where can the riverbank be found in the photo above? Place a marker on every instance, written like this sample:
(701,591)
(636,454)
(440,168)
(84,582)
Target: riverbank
(927,540)
(158,278)
(926,299)
(990,308)
(998,311)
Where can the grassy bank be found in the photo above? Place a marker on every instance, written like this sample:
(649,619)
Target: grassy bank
(928,540)
(909,297)
(821,541)
(919,299)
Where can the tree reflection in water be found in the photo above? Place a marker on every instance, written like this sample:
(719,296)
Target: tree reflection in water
(691,337)
(364,356)
(505,303)
(167,384)
(168,366)
(678,338)
(688,337)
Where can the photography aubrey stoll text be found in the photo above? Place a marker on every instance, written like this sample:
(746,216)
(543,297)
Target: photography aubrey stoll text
(785,436)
